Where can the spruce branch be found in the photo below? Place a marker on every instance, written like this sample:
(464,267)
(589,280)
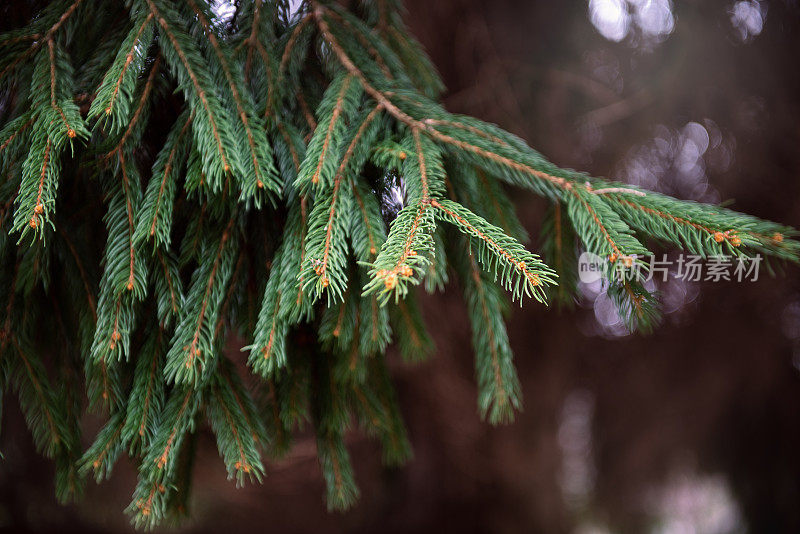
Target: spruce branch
(521,272)
(37,38)
(243,169)
(192,352)
(259,172)
(186,62)
(155,219)
(115,94)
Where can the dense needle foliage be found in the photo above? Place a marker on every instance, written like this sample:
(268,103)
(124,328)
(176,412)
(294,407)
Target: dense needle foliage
(174,182)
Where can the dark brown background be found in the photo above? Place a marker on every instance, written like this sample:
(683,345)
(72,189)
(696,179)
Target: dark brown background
(695,423)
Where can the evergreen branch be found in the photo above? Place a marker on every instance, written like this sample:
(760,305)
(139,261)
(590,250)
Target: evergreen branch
(102,383)
(365,42)
(168,288)
(258,147)
(322,155)
(559,248)
(312,123)
(191,350)
(14,130)
(375,332)
(82,273)
(46,37)
(236,437)
(37,188)
(367,231)
(148,87)
(136,279)
(498,385)
(501,207)
(602,230)
(414,341)
(338,472)
(41,412)
(326,247)
(52,55)
(159,465)
(469,128)
(146,399)
(268,351)
(407,247)
(116,90)
(290,146)
(407,119)
(252,40)
(129,210)
(101,456)
(521,270)
(334,112)
(155,218)
(295,236)
(244,403)
(340,322)
(290,44)
(427,166)
(701,229)
(177,418)
(188,65)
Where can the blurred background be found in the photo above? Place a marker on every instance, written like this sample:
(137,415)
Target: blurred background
(693,429)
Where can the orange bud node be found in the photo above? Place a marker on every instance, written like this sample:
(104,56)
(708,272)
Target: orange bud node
(391,281)
(719,237)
